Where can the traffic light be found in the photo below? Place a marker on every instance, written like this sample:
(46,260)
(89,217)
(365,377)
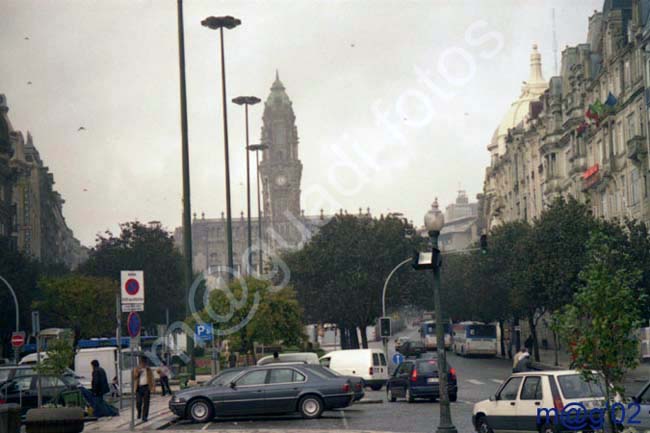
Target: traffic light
(484,244)
(384,327)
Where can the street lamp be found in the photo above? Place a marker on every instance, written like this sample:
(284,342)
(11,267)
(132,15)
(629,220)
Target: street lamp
(246,101)
(434,220)
(219,23)
(257,148)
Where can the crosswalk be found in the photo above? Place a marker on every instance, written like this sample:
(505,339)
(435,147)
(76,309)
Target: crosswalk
(480,382)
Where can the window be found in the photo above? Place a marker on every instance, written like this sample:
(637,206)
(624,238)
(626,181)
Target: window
(509,391)
(285,375)
(257,377)
(628,75)
(375,360)
(405,369)
(623,193)
(645,397)
(383,359)
(325,362)
(635,183)
(574,386)
(631,127)
(20,384)
(51,382)
(532,389)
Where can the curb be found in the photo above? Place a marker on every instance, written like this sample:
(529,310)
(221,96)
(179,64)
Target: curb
(376,401)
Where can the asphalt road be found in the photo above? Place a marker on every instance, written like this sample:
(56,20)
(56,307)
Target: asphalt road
(478,378)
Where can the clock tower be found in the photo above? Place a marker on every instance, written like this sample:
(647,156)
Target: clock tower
(280,168)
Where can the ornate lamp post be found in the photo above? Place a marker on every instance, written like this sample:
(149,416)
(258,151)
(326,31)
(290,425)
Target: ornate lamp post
(434,220)
(246,101)
(257,148)
(219,23)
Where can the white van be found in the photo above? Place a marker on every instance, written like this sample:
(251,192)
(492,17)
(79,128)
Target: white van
(369,364)
(107,358)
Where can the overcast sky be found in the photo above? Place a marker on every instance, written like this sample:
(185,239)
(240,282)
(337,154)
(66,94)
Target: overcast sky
(395,101)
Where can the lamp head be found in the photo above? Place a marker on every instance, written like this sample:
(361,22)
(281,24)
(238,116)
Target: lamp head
(256,147)
(246,100)
(434,220)
(215,23)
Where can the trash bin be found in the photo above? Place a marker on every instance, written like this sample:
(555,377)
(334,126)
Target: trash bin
(10,418)
(183,380)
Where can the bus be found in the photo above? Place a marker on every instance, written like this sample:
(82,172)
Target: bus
(475,338)
(428,335)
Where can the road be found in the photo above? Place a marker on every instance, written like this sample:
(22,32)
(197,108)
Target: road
(478,378)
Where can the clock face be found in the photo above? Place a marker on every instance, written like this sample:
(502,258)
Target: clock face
(281,180)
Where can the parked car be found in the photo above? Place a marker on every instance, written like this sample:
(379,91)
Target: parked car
(355,382)
(514,406)
(643,399)
(270,389)
(418,378)
(399,341)
(225,377)
(368,364)
(9,372)
(305,357)
(412,348)
(23,390)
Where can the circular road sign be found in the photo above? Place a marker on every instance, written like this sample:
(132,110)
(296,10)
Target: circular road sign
(132,286)
(398,358)
(18,339)
(134,324)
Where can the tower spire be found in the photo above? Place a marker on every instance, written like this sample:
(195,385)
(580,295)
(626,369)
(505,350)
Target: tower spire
(535,66)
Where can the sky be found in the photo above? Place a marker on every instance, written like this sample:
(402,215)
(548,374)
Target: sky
(395,101)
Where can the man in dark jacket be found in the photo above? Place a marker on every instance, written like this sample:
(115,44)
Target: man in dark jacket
(99,385)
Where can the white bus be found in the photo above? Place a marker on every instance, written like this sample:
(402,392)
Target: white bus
(475,338)
(428,335)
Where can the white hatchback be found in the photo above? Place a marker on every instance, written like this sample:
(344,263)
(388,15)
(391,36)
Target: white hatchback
(537,401)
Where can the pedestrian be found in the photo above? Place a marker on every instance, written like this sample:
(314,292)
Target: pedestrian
(99,385)
(276,357)
(115,387)
(529,343)
(163,374)
(143,380)
(232,360)
(524,363)
(517,357)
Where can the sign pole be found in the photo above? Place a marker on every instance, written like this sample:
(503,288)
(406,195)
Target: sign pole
(36,329)
(118,334)
(132,424)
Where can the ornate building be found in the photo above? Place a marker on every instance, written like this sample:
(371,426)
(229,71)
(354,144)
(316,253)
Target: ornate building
(36,224)
(586,134)
(461,228)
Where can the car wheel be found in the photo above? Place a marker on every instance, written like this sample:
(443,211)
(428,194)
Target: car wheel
(482,426)
(375,387)
(453,397)
(310,407)
(389,395)
(200,411)
(408,396)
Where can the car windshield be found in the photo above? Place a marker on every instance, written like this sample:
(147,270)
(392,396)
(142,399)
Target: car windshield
(429,366)
(575,386)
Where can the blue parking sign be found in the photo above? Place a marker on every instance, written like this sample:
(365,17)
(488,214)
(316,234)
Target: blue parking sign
(398,358)
(203,331)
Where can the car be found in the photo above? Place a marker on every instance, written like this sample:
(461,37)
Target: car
(418,378)
(399,341)
(643,399)
(514,407)
(262,390)
(304,357)
(355,382)
(23,390)
(9,372)
(412,348)
(368,364)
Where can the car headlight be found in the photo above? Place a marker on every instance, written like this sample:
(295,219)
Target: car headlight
(177,399)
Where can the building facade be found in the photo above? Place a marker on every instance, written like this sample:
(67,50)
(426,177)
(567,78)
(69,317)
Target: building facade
(586,134)
(461,229)
(35,222)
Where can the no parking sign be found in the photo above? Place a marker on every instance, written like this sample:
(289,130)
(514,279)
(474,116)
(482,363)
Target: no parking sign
(132,289)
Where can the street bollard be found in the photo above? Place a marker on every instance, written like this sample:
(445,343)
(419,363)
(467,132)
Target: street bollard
(10,418)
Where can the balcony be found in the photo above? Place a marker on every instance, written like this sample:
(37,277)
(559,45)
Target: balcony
(636,148)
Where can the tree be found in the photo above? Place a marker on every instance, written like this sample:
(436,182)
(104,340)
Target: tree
(599,324)
(60,355)
(339,275)
(84,304)
(149,248)
(254,312)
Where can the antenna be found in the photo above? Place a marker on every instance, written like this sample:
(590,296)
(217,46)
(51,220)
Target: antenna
(554,40)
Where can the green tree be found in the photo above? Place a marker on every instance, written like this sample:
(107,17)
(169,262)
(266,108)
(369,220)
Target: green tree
(255,312)
(149,248)
(60,355)
(599,324)
(84,304)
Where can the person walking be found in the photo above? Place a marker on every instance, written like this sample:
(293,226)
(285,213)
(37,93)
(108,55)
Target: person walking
(232,360)
(143,379)
(524,363)
(99,385)
(163,374)
(517,357)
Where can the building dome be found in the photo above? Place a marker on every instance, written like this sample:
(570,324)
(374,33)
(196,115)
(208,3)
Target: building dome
(530,91)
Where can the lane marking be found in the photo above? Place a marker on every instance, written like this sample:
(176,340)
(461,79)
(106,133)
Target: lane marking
(476,382)
(497,381)
(207,424)
(466,402)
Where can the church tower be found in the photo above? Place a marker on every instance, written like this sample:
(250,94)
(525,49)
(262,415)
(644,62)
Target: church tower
(280,168)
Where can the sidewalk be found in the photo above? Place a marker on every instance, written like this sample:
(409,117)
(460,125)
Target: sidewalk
(159,416)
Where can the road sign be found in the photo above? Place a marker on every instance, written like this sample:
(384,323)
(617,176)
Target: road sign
(384,327)
(127,308)
(398,358)
(203,331)
(18,339)
(134,324)
(132,287)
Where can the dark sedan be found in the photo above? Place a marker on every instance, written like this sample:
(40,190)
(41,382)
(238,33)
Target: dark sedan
(418,378)
(412,348)
(269,389)
(355,381)
(23,390)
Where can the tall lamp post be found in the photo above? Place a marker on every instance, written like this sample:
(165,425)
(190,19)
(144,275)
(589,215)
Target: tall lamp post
(219,23)
(257,148)
(187,218)
(246,101)
(434,220)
